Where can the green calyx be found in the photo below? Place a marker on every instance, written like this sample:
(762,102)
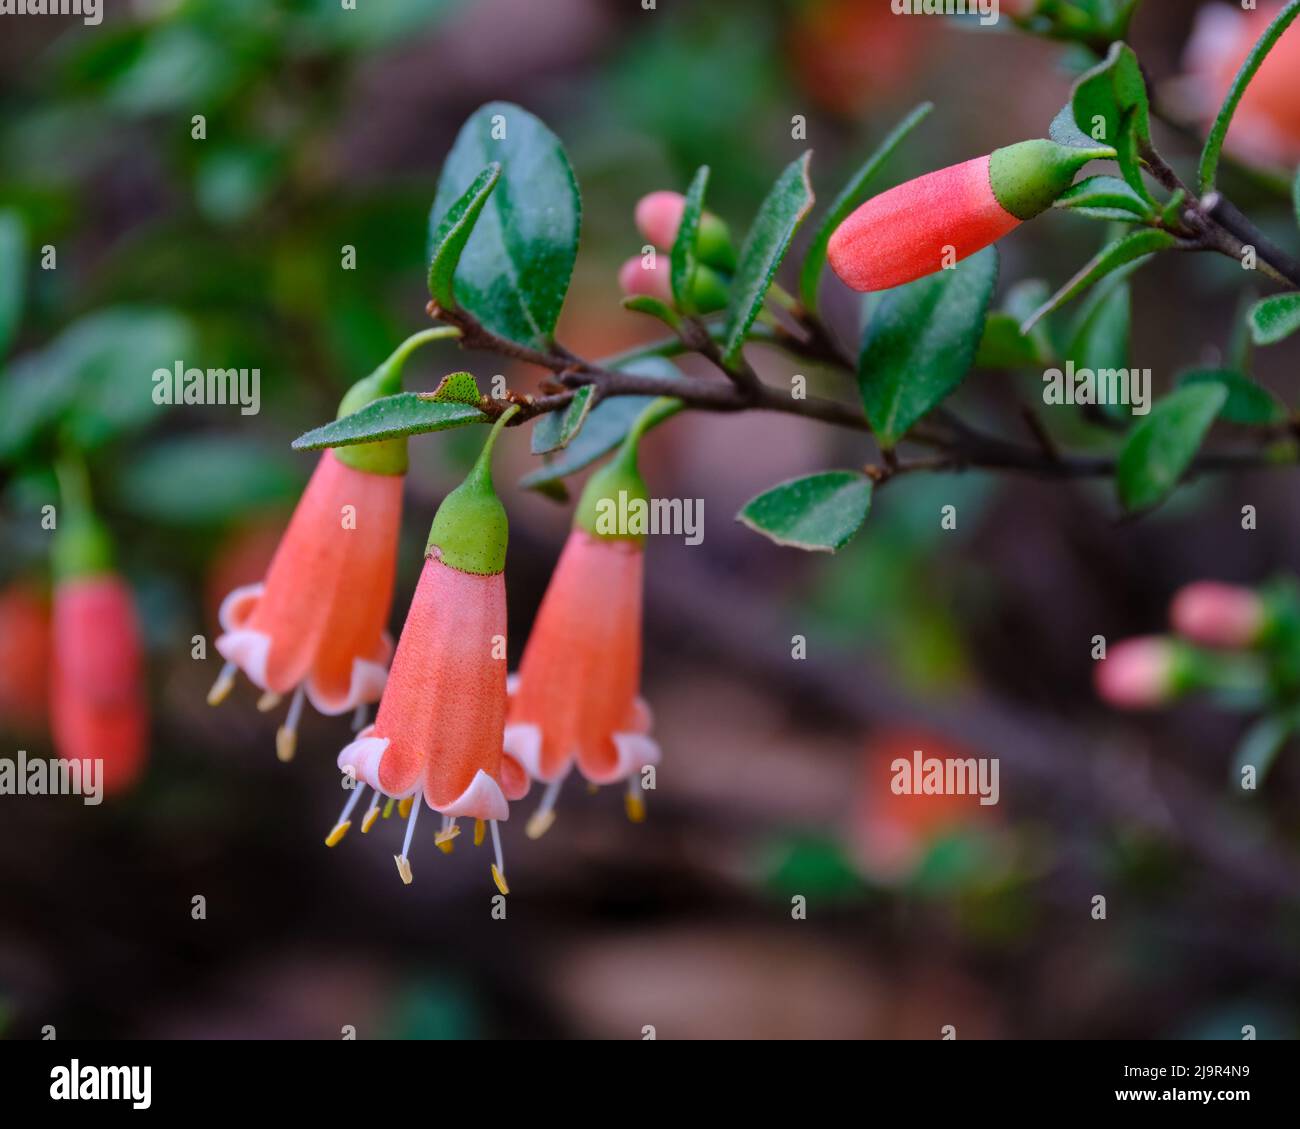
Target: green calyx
(82,545)
(470,529)
(388,456)
(613,491)
(710,291)
(1026,178)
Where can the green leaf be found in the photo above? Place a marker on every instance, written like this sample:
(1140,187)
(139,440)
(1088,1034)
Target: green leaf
(1261,744)
(1099,336)
(457,388)
(1159,449)
(1274,319)
(407,413)
(1104,193)
(921,341)
(515,267)
(1064,132)
(1128,248)
(1209,166)
(555,430)
(13,276)
(648,304)
(204,479)
(819,511)
(1003,346)
(779,217)
(607,423)
(452,233)
(94,380)
(682,261)
(1110,106)
(1247,403)
(851,195)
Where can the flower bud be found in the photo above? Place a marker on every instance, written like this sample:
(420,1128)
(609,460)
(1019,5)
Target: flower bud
(709,291)
(1138,673)
(1218,615)
(659,215)
(938,219)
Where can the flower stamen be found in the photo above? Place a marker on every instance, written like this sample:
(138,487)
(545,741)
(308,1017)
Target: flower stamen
(480,829)
(268,701)
(344,822)
(223,685)
(372,813)
(286,739)
(445,838)
(403,860)
(498,867)
(634,801)
(539,823)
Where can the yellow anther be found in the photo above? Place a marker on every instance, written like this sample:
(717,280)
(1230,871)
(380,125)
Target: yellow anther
(499,879)
(446,846)
(221,688)
(404,806)
(369,821)
(388,807)
(480,829)
(268,702)
(403,868)
(635,806)
(286,743)
(539,823)
(444,839)
(335,837)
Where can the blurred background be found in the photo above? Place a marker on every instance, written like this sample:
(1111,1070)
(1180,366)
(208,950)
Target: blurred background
(327,128)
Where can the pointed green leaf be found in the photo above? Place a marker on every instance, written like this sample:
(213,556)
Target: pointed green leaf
(1247,403)
(607,423)
(453,232)
(1129,248)
(779,217)
(1219,131)
(1261,744)
(648,304)
(683,262)
(921,341)
(1004,346)
(1104,193)
(851,195)
(407,413)
(458,388)
(13,276)
(554,430)
(1158,450)
(821,512)
(1275,319)
(515,267)
(1110,106)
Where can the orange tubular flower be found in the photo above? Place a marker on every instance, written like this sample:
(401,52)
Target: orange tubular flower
(316,626)
(438,733)
(575,699)
(98,710)
(918,227)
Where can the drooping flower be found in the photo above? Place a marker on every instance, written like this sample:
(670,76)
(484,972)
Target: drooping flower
(1218,615)
(1266,126)
(316,626)
(24,658)
(98,710)
(438,733)
(576,698)
(918,227)
(1138,673)
(895,826)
